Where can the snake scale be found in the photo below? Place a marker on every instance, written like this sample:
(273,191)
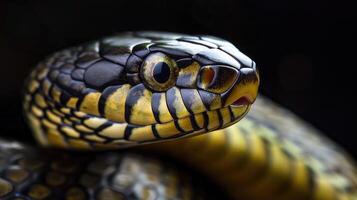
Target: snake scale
(171,96)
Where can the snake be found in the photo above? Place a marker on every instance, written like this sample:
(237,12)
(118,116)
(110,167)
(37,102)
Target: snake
(153,115)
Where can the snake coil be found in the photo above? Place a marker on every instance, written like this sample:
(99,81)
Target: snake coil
(154,91)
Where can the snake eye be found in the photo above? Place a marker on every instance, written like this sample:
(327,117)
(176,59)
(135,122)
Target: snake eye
(159,71)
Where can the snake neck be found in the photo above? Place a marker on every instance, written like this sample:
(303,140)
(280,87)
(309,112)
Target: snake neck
(260,158)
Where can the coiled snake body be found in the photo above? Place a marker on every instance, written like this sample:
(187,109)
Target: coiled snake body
(152,91)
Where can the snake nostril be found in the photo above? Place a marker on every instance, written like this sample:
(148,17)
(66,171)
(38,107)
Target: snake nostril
(217,78)
(207,77)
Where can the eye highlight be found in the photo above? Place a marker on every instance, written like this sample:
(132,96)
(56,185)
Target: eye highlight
(159,71)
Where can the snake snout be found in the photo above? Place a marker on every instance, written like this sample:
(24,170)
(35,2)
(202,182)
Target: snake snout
(245,89)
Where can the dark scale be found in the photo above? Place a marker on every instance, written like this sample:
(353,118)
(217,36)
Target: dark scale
(161,72)
(118,54)
(76,87)
(78,74)
(104,73)
(86,60)
(67,68)
(64,80)
(182,63)
(133,64)
(174,53)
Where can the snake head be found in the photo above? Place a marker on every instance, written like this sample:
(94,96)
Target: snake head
(141,87)
(181,84)
(195,82)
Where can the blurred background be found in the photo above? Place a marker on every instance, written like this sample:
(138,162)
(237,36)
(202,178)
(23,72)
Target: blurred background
(301,48)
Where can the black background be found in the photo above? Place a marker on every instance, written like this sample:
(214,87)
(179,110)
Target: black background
(303,49)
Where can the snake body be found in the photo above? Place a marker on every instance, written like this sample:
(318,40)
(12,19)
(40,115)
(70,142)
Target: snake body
(154,91)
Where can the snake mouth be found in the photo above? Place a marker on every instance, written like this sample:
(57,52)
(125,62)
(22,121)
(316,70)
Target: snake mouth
(184,127)
(242,101)
(206,121)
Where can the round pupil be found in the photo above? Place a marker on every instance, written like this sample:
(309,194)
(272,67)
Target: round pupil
(161,72)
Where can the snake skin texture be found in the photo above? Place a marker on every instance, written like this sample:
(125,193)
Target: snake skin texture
(28,173)
(94,95)
(270,154)
(172,95)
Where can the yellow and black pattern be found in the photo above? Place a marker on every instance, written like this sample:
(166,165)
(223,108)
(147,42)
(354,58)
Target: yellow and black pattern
(270,154)
(162,88)
(103,94)
(27,173)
